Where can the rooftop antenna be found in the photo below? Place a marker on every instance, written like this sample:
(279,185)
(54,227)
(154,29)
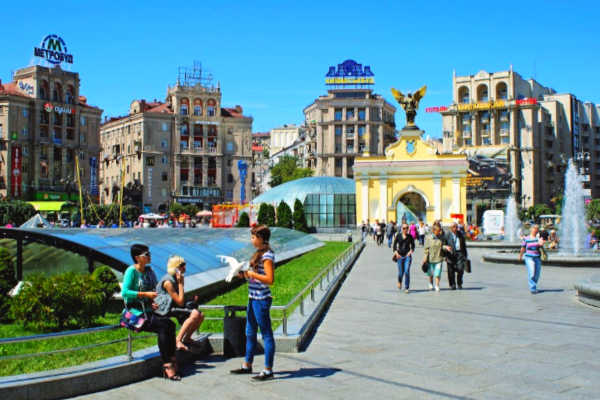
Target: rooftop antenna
(192,76)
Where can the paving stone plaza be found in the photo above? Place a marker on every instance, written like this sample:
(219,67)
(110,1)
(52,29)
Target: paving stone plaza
(492,340)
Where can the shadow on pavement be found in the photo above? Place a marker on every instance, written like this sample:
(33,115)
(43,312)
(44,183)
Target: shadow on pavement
(550,290)
(306,373)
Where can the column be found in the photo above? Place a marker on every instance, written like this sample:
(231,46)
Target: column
(205,170)
(475,135)
(493,115)
(364,186)
(383,197)
(437,197)
(456,195)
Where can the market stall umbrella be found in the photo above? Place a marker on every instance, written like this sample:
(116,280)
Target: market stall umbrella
(204,213)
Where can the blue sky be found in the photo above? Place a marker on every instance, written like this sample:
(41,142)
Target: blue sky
(271,56)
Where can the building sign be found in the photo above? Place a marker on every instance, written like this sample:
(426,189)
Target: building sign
(94,176)
(350,73)
(488,174)
(15,176)
(485,105)
(526,101)
(149,184)
(436,109)
(49,107)
(55,196)
(26,88)
(243,168)
(257,148)
(54,50)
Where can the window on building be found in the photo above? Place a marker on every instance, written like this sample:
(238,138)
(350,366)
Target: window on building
(25,113)
(211,108)
(164,143)
(183,175)
(164,176)
(82,121)
(25,132)
(183,108)
(1,131)
(229,178)
(501,91)
(197,107)
(468,142)
(350,130)
(482,93)
(338,130)
(361,114)
(164,160)
(463,94)
(337,115)
(361,130)
(165,127)
(505,140)
(229,147)
(349,113)
(150,161)
(486,141)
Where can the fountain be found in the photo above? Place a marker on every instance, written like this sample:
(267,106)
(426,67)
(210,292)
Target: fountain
(572,230)
(512,224)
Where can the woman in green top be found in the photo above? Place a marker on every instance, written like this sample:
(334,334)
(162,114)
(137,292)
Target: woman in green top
(139,283)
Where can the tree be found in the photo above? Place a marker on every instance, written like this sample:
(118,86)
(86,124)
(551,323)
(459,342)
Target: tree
(244,220)
(540,209)
(7,282)
(176,209)
(266,215)
(284,215)
(299,217)
(287,170)
(191,209)
(592,210)
(15,211)
(557,202)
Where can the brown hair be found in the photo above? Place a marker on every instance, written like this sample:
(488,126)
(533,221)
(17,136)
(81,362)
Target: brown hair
(263,232)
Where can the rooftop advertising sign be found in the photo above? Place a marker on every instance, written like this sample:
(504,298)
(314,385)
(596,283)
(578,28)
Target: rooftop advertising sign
(350,73)
(54,50)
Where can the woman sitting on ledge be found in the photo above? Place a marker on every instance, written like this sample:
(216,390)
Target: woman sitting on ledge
(171,302)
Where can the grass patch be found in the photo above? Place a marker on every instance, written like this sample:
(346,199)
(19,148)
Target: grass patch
(290,278)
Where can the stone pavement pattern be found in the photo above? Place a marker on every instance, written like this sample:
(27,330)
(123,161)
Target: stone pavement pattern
(492,340)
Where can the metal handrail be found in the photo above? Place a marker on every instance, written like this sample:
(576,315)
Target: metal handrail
(346,255)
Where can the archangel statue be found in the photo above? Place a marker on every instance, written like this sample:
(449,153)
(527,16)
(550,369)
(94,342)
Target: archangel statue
(410,104)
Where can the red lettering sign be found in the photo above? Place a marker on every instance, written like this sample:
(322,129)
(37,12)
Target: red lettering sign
(15,176)
(436,109)
(530,100)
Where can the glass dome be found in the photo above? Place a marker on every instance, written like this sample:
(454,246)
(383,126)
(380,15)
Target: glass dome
(329,202)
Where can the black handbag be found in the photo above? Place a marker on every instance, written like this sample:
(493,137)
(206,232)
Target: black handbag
(394,258)
(425,266)
(468,266)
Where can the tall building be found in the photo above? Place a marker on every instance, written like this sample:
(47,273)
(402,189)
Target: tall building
(349,121)
(44,124)
(537,129)
(285,136)
(187,149)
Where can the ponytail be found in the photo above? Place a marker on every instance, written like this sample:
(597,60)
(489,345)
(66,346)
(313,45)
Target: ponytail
(263,232)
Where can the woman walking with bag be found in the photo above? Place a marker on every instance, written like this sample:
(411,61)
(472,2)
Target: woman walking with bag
(404,247)
(139,284)
(434,255)
(532,247)
(260,277)
(171,303)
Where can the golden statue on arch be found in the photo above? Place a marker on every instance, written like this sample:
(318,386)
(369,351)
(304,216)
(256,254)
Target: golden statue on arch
(410,104)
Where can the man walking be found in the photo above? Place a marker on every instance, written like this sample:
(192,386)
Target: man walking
(404,247)
(390,229)
(457,256)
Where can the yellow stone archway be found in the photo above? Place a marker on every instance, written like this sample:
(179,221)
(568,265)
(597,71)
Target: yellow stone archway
(411,165)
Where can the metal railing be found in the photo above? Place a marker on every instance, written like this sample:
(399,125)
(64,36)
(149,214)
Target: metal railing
(327,274)
(129,339)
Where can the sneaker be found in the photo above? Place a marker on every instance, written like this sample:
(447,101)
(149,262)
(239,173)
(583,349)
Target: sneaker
(453,287)
(241,371)
(437,288)
(459,287)
(406,291)
(263,376)
(534,291)
(430,286)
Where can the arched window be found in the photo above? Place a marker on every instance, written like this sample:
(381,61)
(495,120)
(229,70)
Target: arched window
(211,107)
(184,107)
(501,91)
(482,93)
(184,129)
(57,92)
(198,107)
(463,94)
(69,95)
(44,90)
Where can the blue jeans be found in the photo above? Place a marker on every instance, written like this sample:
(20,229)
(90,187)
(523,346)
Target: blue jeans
(390,237)
(404,270)
(534,268)
(258,315)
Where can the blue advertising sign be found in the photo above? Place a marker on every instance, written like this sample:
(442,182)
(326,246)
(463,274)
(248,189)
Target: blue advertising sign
(243,168)
(350,73)
(93,176)
(54,50)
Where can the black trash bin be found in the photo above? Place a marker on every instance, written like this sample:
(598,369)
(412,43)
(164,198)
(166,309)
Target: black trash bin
(234,332)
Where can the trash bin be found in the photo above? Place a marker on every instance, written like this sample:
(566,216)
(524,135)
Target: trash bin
(349,234)
(234,332)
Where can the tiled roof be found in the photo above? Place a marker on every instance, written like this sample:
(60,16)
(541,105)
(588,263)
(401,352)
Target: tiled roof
(10,89)
(236,112)
(158,108)
(261,134)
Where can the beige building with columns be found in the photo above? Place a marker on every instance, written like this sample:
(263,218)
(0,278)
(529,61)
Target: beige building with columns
(348,123)
(187,149)
(539,129)
(45,123)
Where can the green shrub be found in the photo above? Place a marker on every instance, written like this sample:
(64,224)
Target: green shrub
(266,215)
(107,282)
(7,282)
(284,215)
(60,301)
(244,220)
(299,217)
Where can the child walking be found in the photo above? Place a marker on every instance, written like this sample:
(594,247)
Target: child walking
(260,277)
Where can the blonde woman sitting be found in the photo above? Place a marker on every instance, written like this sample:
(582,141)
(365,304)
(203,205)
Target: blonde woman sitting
(171,302)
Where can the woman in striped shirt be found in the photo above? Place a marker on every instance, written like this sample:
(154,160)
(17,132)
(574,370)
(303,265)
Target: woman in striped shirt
(258,314)
(531,248)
